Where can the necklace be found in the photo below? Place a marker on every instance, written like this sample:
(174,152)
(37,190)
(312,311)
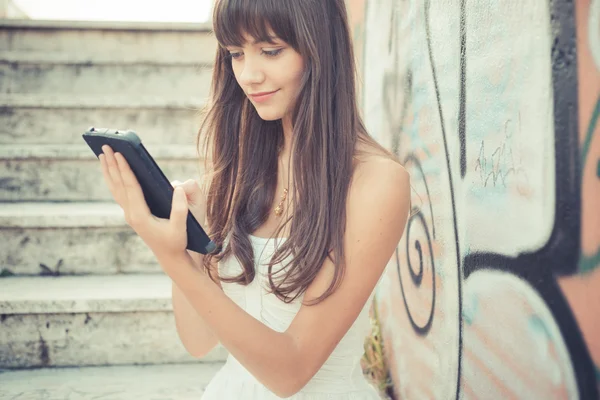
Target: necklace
(279,208)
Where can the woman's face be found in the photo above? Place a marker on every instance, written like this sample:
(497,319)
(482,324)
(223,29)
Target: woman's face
(269,74)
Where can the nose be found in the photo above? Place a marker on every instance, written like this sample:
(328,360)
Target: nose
(251,72)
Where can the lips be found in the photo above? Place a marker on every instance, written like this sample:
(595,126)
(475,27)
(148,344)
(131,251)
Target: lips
(262,96)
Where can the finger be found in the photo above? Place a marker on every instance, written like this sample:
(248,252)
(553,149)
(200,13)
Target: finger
(179,210)
(113,171)
(113,176)
(105,173)
(133,191)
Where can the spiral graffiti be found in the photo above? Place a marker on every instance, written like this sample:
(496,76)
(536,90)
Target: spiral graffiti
(422,245)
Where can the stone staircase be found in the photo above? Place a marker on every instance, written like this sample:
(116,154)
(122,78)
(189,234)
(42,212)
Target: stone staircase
(85,311)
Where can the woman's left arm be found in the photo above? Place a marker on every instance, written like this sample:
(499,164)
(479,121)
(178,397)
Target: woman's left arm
(284,362)
(377,209)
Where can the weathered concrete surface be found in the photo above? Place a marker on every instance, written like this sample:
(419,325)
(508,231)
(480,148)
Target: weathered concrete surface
(151,78)
(81,321)
(85,294)
(50,120)
(74,251)
(70,238)
(113,78)
(60,215)
(72,173)
(144,382)
(111,40)
(81,339)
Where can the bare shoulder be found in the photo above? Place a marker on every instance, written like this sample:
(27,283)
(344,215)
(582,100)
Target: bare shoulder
(378,199)
(381,175)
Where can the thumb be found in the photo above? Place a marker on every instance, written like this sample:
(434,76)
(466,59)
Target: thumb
(190,186)
(193,192)
(179,209)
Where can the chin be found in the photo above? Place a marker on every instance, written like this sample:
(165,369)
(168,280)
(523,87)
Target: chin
(269,115)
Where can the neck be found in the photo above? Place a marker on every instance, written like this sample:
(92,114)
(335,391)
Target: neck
(287,139)
(285,155)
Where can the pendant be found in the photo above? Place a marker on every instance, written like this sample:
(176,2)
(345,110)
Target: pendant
(279,208)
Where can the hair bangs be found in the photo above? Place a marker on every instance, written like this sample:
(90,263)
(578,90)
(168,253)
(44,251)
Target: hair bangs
(259,19)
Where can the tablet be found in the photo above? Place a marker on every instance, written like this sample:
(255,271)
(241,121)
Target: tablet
(157,189)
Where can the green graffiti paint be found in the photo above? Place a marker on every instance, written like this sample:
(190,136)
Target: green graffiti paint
(590,132)
(588,264)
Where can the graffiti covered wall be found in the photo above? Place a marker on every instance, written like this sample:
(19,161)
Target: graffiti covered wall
(493,107)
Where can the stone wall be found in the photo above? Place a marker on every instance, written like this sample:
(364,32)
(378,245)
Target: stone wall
(493,107)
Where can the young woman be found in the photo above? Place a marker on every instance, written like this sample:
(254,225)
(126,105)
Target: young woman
(304,205)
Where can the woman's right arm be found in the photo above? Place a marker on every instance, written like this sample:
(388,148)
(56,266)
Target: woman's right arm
(196,336)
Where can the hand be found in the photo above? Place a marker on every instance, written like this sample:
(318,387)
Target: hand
(165,237)
(196,199)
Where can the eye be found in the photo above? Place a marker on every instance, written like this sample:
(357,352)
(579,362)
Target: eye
(272,53)
(235,55)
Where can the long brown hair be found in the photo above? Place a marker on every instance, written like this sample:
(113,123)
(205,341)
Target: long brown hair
(243,149)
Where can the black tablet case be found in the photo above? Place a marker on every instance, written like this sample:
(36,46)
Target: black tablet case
(157,189)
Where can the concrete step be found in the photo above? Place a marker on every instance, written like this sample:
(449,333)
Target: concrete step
(144,382)
(47,73)
(61,58)
(91,320)
(127,41)
(55,239)
(72,172)
(49,119)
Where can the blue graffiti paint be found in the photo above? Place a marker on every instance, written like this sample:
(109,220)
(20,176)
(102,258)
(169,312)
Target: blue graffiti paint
(537,326)
(470,308)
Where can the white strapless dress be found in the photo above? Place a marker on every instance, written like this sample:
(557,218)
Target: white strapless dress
(340,378)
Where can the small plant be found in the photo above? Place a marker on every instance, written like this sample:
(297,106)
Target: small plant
(373,362)
(6,273)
